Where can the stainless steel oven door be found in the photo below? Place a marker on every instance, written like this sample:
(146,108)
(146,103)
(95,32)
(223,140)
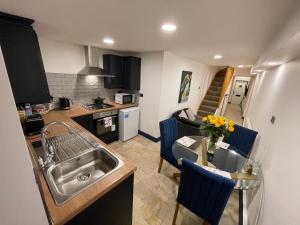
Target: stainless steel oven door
(104,125)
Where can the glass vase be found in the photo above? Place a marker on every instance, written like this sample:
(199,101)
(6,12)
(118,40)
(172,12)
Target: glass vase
(212,144)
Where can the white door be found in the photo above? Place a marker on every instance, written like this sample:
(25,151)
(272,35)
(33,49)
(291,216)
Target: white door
(238,91)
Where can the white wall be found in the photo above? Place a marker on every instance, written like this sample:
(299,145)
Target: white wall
(160,83)
(60,57)
(173,65)
(20,200)
(151,72)
(68,58)
(277,93)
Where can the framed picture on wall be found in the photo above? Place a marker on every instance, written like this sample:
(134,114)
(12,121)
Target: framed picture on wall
(185,84)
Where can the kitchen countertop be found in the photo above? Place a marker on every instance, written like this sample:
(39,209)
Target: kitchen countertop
(78,110)
(60,214)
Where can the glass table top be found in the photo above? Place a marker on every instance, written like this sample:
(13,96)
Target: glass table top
(224,159)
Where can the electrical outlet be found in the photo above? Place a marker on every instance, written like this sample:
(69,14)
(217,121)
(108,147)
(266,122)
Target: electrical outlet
(273,118)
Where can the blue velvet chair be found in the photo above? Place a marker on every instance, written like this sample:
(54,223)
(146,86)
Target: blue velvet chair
(202,192)
(242,139)
(168,136)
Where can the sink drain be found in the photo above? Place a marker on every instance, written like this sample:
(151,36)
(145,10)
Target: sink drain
(84,176)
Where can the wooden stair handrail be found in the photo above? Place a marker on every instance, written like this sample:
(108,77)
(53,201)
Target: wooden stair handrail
(228,76)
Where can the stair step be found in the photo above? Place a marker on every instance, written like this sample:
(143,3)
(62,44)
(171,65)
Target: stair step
(219,79)
(215,88)
(217,83)
(213,93)
(202,113)
(208,108)
(210,103)
(220,74)
(211,98)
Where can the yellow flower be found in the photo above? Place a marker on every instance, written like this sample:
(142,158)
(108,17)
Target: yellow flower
(222,122)
(222,118)
(230,129)
(217,124)
(204,119)
(230,123)
(209,117)
(212,121)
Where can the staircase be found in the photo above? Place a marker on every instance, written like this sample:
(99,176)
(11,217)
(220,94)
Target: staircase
(211,100)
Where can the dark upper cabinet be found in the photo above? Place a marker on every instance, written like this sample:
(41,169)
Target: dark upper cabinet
(113,64)
(132,73)
(127,71)
(23,60)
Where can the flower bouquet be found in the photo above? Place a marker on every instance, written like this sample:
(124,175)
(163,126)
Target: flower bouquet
(217,127)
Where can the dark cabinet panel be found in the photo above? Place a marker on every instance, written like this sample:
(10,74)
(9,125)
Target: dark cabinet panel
(127,71)
(86,122)
(23,60)
(132,73)
(114,208)
(113,64)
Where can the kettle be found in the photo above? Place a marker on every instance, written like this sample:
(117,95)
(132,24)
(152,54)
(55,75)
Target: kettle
(65,103)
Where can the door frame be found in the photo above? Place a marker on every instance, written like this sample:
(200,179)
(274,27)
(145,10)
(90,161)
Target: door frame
(233,86)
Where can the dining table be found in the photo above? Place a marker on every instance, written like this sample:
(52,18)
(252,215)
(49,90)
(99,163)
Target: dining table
(228,162)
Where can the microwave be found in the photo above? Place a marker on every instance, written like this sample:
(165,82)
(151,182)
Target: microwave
(124,98)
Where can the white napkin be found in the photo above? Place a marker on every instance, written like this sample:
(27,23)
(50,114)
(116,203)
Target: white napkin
(222,144)
(186,141)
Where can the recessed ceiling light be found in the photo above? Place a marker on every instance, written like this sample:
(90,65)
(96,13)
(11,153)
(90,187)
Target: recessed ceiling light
(240,66)
(168,27)
(109,41)
(273,64)
(218,56)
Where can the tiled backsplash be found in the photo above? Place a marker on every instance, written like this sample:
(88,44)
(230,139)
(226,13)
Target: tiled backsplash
(81,89)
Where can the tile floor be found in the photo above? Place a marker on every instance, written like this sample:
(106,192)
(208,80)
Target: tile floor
(234,112)
(155,194)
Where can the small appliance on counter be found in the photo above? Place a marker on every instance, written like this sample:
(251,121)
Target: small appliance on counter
(33,124)
(99,101)
(124,98)
(128,123)
(65,103)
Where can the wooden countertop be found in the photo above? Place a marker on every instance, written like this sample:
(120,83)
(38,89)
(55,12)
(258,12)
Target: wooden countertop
(78,110)
(60,214)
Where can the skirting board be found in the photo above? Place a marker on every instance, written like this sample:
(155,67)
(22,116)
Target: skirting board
(150,137)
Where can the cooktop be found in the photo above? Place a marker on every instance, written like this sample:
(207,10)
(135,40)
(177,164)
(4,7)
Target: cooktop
(97,106)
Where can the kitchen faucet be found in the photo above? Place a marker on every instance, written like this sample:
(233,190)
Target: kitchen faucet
(48,151)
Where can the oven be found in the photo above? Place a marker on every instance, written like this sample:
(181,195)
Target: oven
(106,126)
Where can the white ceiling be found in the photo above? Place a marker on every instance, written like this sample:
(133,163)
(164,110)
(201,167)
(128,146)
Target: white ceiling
(238,29)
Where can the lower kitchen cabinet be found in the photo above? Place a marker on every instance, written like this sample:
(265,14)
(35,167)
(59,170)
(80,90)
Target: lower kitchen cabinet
(86,121)
(114,208)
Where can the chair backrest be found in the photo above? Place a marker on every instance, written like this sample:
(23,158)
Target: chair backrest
(243,139)
(168,135)
(202,192)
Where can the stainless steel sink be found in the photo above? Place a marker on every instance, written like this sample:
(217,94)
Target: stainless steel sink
(74,163)
(68,178)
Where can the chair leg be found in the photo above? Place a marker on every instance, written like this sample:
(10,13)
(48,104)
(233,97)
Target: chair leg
(176,175)
(175,214)
(160,164)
